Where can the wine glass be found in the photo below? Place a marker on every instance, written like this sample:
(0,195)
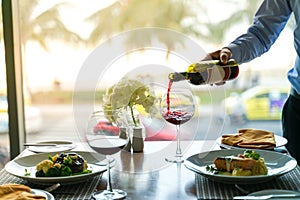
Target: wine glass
(103,137)
(177,107)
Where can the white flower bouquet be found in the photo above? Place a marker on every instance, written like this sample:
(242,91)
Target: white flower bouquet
(128,94)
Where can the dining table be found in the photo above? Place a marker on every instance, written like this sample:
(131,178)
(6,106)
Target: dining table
(146,175)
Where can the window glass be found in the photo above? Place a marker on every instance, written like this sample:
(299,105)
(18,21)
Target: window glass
(58,36)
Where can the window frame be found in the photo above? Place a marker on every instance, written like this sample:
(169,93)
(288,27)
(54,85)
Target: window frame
(14,78)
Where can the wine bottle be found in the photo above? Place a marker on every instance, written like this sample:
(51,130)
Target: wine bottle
(207,72)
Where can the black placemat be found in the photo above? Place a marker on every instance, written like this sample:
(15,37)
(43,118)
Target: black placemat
(78,191)
(208,189)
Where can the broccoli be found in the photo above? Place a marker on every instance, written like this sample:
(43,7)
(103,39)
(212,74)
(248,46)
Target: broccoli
(39,173)
(65,171)
(251,154)
(50,158)
(68,160)
(52,172)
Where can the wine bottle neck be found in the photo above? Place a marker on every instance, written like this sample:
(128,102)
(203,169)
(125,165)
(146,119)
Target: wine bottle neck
(178,76)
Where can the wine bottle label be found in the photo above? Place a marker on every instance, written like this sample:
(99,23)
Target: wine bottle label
(217,74)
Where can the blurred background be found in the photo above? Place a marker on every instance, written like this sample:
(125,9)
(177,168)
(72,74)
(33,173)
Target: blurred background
(57,36)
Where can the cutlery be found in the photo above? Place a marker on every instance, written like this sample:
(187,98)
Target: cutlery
(46,145)
(241,189)
(40,144)
(52,187)
(268,196)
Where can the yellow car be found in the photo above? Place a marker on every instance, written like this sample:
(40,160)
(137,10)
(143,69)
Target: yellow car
(257,103)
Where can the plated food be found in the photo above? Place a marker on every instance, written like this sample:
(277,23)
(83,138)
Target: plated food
(250,163)
(64,164)
(250,138)
(29,163)
(276,163)
(14,191)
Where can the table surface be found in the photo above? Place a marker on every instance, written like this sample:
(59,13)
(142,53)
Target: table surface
(148,176)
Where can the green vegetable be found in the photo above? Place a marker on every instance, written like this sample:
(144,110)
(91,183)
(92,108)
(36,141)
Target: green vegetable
(251,154)
(39,173)
(61,167)
(27,173)
(65,171)
(211,169)
(83,172)
(50,158)
(68,160)
(52,172)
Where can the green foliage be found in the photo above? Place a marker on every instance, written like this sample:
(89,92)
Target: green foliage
(187,17)
(45,24)
(135,14)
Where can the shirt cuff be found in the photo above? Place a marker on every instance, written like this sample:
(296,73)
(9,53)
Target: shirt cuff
(235,52)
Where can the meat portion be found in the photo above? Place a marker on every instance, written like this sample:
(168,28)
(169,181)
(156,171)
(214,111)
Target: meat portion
(228,163)
(76,162)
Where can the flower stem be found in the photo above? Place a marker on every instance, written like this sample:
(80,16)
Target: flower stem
(132,115)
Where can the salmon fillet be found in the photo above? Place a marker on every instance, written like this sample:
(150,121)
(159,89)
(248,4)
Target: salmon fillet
(231,162)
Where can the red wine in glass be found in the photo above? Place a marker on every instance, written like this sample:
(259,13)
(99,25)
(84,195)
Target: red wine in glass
(177,107)
(177,117)
(106,143)
(108,146)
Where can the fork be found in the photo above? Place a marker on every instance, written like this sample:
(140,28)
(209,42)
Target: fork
(268,196)
(244,191)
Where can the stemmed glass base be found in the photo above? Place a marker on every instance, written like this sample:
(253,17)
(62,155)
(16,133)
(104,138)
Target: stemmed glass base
(178,156)
(177,107)
(106,195)
(175,160)
(109,193)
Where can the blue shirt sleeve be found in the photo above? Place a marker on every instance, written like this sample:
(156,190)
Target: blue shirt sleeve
(268,23)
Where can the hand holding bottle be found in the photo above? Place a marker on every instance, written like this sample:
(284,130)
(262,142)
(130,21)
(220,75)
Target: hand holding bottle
(223,55)
(208,72)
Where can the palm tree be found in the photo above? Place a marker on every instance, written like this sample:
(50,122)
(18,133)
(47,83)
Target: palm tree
(40,27)
(131,14)
(178,15)
(47,24)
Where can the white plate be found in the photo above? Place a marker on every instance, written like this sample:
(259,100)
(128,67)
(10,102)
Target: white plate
(17,167)
(61,146)
(280,141)
(271,191)
(277,164)
(42,193)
